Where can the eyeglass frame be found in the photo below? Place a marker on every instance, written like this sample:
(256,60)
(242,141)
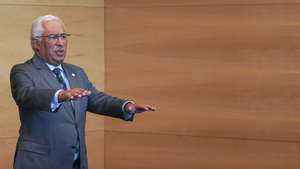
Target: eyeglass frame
(55,37)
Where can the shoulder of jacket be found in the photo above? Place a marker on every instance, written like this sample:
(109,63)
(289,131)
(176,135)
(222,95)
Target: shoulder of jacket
(24,65)
(73,67)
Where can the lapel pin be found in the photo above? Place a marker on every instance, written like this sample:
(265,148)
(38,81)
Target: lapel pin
(73,74)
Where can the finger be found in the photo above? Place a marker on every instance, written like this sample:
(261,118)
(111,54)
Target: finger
(148,107)
(86,92)
(152,108)
(75,93)
(69,96)
(79,92)
(142,108)
(82,92)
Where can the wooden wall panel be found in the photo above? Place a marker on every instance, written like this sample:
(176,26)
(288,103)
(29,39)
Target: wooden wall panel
(168,3)
(7,151)
(81,3)
(86,24)
(223,70)
(223,74)
(148,151)
(95,149)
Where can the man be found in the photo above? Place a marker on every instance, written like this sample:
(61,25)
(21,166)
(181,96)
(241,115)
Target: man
(53,97)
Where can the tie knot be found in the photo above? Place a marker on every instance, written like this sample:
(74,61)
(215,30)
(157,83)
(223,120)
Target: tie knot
(56,71)
(59,77)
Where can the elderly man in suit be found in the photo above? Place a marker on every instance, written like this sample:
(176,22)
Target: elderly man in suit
(53,98)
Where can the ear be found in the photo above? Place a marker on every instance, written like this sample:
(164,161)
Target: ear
(35,44)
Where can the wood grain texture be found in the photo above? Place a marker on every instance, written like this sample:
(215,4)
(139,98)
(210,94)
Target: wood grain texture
(227,71)
(7,151)
(168,3)
(95,149)
(81,3)
(147,151)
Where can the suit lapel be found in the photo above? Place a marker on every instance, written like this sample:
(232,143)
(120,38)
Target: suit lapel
(71,76)
(46,73)
(51,80)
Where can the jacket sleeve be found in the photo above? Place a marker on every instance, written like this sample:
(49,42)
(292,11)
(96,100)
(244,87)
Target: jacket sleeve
(25,93)
(104,104)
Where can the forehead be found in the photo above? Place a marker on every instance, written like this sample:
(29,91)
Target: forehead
(53,27)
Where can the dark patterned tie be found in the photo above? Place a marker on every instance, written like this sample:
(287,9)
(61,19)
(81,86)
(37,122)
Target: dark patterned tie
(58,74)
(59,77)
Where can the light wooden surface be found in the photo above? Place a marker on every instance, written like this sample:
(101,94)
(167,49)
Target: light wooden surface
(224,71)
(95,149)
(135,151)
(86,24)
(7,152)
(212,71)
(185,3)
(80,3)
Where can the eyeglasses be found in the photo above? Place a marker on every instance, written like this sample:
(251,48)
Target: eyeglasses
(55,37)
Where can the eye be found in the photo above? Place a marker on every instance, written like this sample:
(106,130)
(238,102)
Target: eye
(52,36)
(63,36)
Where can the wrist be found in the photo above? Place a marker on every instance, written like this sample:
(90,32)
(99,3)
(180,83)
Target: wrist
(60,96)
(129,107)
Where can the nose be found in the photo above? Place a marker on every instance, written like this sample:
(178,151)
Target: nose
(60,41)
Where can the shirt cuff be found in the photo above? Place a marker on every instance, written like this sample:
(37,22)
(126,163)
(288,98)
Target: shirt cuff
(124,105)
(54,102)
(128,116)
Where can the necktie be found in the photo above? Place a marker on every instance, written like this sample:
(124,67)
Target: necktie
(59,77)
(58,74)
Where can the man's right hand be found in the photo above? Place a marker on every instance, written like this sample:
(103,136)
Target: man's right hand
(72,94)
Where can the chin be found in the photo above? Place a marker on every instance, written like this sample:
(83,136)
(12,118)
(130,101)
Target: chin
(60,58)
(60,61)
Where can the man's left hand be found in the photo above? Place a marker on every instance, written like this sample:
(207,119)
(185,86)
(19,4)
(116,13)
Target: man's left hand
(138,108)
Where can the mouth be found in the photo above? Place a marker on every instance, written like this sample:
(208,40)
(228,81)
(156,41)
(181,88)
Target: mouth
(60,52)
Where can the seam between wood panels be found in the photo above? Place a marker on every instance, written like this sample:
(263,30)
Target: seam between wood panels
(207,136)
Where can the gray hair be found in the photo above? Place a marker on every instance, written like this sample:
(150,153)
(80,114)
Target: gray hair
(37,28)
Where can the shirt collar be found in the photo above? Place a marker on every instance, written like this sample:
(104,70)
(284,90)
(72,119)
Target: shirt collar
(51,67)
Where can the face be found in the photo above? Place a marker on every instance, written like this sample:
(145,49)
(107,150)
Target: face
(52,50)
